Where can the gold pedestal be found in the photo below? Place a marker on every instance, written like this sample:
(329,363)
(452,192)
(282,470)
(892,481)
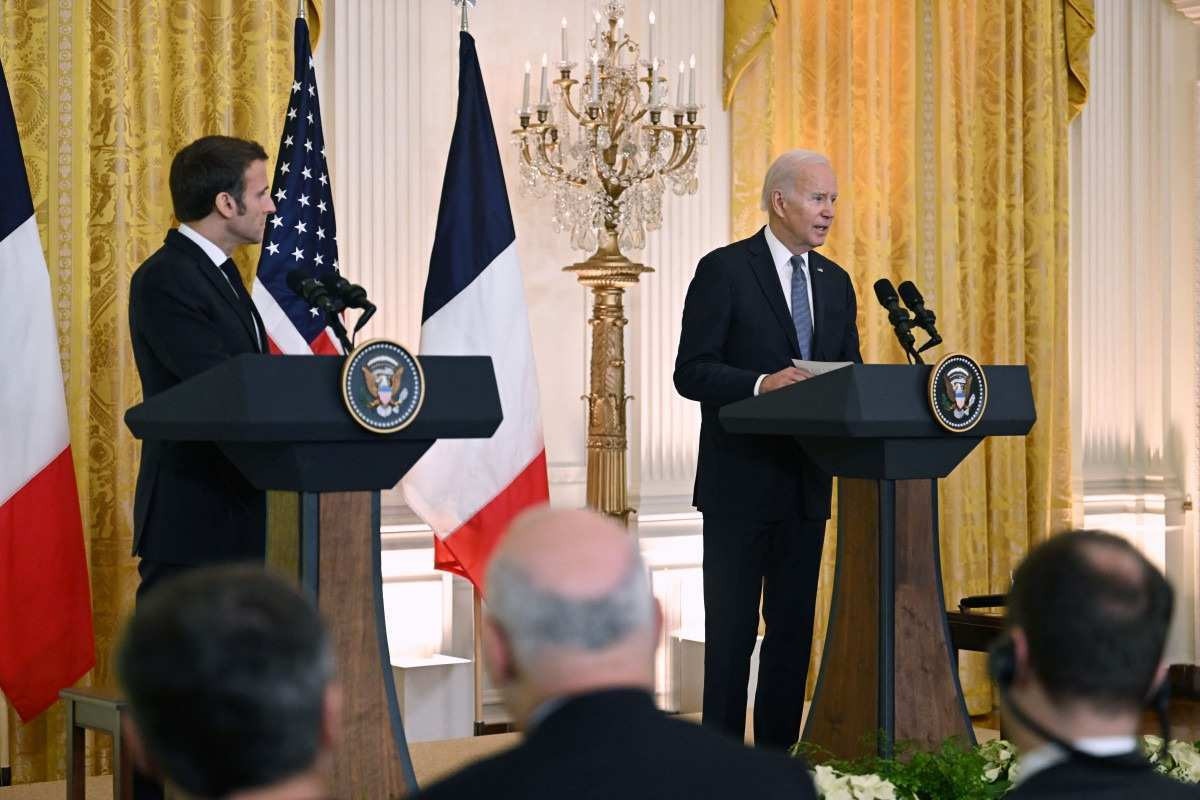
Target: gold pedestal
(607,273)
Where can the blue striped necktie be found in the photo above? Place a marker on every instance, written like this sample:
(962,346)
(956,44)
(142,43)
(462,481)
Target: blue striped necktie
(801,313)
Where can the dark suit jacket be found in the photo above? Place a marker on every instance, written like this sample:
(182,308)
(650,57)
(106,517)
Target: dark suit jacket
(616,744)
(1082,779)
(736,327)
(191,505)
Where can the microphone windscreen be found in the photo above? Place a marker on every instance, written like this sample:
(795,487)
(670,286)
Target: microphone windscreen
(295,279)
(885,292)
(910,293)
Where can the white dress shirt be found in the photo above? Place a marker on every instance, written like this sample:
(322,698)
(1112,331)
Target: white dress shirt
(1049,755)
(782,258)
(218,257)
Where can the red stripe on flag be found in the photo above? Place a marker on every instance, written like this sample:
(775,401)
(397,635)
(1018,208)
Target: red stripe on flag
(466,551)
(45,601)
(324,345)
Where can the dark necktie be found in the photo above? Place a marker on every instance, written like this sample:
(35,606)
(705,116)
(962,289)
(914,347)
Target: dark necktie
(242,297)
(801,313)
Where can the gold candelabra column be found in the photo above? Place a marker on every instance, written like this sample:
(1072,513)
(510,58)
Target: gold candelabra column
(607,273)
(602,144)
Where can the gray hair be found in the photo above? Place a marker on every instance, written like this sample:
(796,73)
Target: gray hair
(535,618)
(781,177)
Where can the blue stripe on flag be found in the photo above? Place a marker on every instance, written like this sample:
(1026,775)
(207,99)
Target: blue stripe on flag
(16,204)
(474,219)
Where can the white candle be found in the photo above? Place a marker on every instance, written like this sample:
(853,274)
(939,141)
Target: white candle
(654,82)
(595,79)
(692,83)
(564,40)
(525,92)
(544,97)
(650,55)
(679,93)
(597,42)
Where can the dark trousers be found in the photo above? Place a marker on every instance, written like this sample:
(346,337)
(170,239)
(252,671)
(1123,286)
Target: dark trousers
(744,560)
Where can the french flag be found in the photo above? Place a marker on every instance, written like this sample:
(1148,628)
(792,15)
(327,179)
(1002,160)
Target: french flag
(45,602)
(468,490)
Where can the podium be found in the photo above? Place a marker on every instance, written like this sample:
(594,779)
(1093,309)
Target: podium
(887,673)
(281,421)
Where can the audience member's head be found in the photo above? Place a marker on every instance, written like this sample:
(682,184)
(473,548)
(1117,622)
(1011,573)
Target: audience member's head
(230,678)
(1087,625)
(569,610)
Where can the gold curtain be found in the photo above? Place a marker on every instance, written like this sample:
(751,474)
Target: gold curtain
(947,127)
(104,94)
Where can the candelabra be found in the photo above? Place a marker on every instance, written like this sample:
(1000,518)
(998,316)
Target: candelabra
(603,147)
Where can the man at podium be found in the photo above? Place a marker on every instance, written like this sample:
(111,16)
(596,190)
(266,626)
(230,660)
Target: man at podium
(189,311)
(752,308)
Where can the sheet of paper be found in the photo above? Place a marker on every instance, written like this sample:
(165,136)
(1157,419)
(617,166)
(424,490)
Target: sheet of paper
(820,367)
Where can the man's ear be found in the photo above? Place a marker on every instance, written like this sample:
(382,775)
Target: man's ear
(331,715)
(225,205)
(1022,670)
(131,738)
(497,652)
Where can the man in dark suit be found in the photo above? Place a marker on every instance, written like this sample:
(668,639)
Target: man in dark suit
(189,311)
(1081,658)
(752,308)
(569,637)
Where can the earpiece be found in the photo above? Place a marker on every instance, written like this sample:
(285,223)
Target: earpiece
(1002,662)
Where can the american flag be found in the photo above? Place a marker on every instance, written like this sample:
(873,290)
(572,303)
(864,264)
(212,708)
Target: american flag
(302,233)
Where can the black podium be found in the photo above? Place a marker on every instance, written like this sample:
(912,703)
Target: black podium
(887,672)
(281,421)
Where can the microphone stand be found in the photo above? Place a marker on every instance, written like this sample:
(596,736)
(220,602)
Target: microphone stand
(335,323)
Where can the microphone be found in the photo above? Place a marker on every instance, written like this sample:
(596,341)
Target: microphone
(901,322)
(310,290)
(924,317)
(351,295)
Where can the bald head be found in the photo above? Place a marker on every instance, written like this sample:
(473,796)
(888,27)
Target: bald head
(571,596)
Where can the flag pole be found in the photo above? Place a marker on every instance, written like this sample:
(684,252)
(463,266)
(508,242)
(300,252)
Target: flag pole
(477,661)
(464,4)
(5,749)
(300,4)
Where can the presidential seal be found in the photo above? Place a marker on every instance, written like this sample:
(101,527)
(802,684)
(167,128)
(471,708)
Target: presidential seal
(957,393)
(383,386)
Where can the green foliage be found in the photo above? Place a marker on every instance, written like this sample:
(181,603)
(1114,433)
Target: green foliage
(952,772)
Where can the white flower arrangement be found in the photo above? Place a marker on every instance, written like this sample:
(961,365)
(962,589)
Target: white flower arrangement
(834,785)
(1001,760)
(1181,760)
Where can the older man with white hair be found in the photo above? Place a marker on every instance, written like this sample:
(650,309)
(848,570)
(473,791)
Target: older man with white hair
(569,638)
(753,308)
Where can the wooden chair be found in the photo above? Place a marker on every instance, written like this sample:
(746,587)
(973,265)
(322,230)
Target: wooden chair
(972,630)
(101,710)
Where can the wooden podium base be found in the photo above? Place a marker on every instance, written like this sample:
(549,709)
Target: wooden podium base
(887,673)
(330,543)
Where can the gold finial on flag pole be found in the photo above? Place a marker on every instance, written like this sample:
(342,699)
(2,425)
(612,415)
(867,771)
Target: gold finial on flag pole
(464,5)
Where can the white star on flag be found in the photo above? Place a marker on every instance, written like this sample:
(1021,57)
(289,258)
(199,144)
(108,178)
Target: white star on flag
(273,248)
